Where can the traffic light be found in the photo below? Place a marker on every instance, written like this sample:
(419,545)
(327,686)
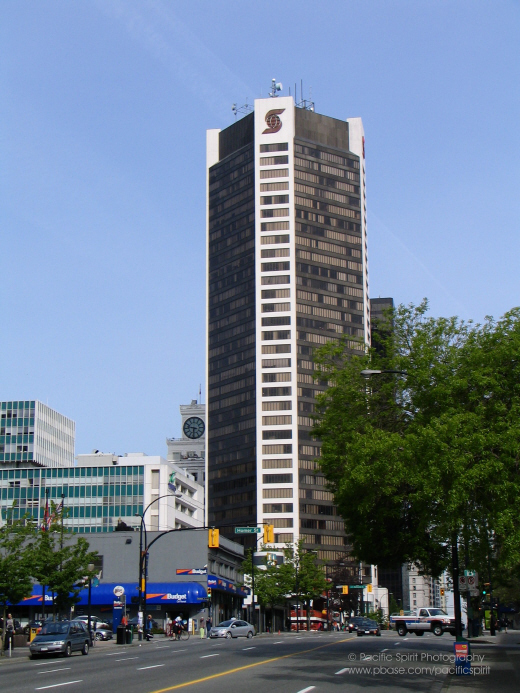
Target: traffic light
(268,534)
(209,592)
(442,592)
(369,588)
(213,536)
(344,589)
(487,588)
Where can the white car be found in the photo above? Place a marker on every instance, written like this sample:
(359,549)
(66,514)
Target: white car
(232,629)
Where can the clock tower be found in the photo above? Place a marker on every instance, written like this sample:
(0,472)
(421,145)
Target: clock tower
(189,450)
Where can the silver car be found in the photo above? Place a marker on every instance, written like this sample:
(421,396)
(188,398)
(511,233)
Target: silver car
(60,637)
(232,629)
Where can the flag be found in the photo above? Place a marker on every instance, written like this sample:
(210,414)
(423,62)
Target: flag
(58,511)
(46,524)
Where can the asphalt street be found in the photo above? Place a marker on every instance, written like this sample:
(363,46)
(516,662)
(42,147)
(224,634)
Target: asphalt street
(287,663)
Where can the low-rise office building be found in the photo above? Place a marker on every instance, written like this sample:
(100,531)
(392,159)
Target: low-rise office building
(104,490)
(184,577)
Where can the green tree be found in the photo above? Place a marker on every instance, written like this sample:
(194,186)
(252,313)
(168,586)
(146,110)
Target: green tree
(425,458)
(15,565)
(60,562)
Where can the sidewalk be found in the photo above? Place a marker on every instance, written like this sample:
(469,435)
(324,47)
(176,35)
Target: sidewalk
(499,669)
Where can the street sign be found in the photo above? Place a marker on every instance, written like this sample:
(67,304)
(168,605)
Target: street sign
(471,572)
(474,592)
(248,530)
(473,580)
(463,583)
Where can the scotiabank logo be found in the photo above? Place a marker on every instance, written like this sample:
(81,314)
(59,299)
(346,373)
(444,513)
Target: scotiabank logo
(273,122)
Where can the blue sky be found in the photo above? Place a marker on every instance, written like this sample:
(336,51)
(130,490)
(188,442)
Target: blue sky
(104,106)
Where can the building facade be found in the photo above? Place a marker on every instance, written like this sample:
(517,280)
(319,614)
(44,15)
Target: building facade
(287,272)
(104,490)
(184,577)
(33,434)
(189,451)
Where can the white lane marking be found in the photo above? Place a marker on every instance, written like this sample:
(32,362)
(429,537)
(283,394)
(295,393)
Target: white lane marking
(248,648)
(45,664)
(111,654)
(161,647)
(50,671)
(211,655)
(152,666)
(341,671)
(309,688)
(175,651)
(125,659)
(385,650)
(396,643)
(55,685)
(278,642)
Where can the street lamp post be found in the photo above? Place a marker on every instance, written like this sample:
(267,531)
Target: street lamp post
(90,569)
(143,555)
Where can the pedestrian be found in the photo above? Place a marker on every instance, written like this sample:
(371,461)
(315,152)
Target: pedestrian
(209,626)
(9,632)
(492,624)
(148,627)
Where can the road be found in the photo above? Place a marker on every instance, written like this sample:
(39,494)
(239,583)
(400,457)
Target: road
(288,663)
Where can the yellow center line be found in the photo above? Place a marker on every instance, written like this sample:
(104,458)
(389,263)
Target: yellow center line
(247,666)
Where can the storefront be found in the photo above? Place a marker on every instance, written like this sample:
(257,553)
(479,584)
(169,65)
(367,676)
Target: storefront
(164,600)
(226,598)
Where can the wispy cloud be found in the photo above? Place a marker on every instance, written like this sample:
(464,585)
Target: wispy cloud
(195,68)
(381,226)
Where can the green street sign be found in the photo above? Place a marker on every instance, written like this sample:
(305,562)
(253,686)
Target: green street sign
(248,530)
(356,587)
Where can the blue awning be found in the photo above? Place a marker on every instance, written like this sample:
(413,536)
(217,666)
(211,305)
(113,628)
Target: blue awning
(156,593)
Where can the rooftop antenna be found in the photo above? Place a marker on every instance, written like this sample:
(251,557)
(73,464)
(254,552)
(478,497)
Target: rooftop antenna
(243,110)
(304,103)
(275,88)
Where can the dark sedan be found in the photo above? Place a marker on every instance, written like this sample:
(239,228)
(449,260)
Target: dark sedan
(368,627)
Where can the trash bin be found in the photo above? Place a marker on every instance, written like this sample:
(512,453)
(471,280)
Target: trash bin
(129,635)
(121,635)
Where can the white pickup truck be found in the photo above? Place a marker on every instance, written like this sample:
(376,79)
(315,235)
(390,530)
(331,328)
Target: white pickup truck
(426,620)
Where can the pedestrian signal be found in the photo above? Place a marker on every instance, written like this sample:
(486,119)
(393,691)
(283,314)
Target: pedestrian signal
(213,538)
(369,588)
(344,589)
(268,534)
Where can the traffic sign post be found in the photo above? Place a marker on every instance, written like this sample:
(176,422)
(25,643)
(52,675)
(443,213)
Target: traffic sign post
(248,530)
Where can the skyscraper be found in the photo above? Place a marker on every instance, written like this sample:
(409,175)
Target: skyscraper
(287,272)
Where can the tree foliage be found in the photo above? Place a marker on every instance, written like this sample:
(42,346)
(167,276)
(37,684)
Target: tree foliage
(59,564)
(298,575)
(15,573)
(428,454)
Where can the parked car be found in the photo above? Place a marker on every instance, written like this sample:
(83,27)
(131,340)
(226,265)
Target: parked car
(135,620)
(103,634)
(368,627)
(32,624)
(60,637)
(95,621)
(232,629)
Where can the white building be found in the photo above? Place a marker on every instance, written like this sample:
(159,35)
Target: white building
(419,590)
(189,451)
(33,434)
(173,498)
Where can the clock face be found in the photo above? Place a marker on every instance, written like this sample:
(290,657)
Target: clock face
(193,427)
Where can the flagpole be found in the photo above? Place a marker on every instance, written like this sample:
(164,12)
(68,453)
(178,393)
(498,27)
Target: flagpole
(45,528)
